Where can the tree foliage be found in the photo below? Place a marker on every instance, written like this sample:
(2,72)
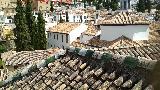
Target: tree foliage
(106,57)
(51,7)
(89,53)
(2,48)
(22,35)
(67,18)
(30,20)
(130,62)
(76,51)
(41,32)
(114,5)
(106,4)
(143,5)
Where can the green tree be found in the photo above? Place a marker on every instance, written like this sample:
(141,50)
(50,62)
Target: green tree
(114,5)
(29,19)
(148,5)
(157,17)
(51,7)
(23,39)
(84,2)
(34,34)
(130,62)
(61,21)
(106,4)
(67,17)
(141,6)
(41,37)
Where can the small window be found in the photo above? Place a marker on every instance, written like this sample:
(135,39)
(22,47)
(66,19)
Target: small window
(54,36)
(48,35)
(62,38)
(57,36)
(67,38)
(51,45)
(10,21)
(84,17)
(62,46)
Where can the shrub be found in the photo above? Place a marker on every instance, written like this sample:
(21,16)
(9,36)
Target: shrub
(89,53)
(76,51)
(130,62)
(16,76)
(106,57)
(50,60)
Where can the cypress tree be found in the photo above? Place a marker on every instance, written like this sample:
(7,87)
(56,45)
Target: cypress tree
(106,4)
(22,40)
(114,5)
(34,34)
(29,19)
(67,17)
(141,6)
(61,21)
(51,6)
(41,37)
(148,5)
(84,2)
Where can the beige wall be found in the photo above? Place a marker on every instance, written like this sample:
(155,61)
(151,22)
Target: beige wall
(9,6)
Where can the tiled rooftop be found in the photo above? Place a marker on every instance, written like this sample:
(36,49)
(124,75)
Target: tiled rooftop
(124,18)
(91,30)
(64,27)
(21,59)
(124,46)
(72,72)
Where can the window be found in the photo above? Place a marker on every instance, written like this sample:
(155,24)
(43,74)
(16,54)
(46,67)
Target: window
(48,35)
(57,36)
(54,36)
(62,38)
(66,38)
(51,45)
(84,17)
(62,46)
(10,21)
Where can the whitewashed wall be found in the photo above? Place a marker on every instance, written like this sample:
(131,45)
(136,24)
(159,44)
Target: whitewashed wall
(72,36)
(84,38)
(134,32)
(57,42)
(77,32)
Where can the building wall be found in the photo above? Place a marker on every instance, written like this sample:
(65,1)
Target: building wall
(84,38)
(67,38)
(57,42)
(134,32)
(77,32)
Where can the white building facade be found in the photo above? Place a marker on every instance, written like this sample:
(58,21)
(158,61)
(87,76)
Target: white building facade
(134,32)
(63,40)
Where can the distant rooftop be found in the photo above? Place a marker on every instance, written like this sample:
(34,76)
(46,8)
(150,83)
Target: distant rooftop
(64,27)
(91,30)
(124,18)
